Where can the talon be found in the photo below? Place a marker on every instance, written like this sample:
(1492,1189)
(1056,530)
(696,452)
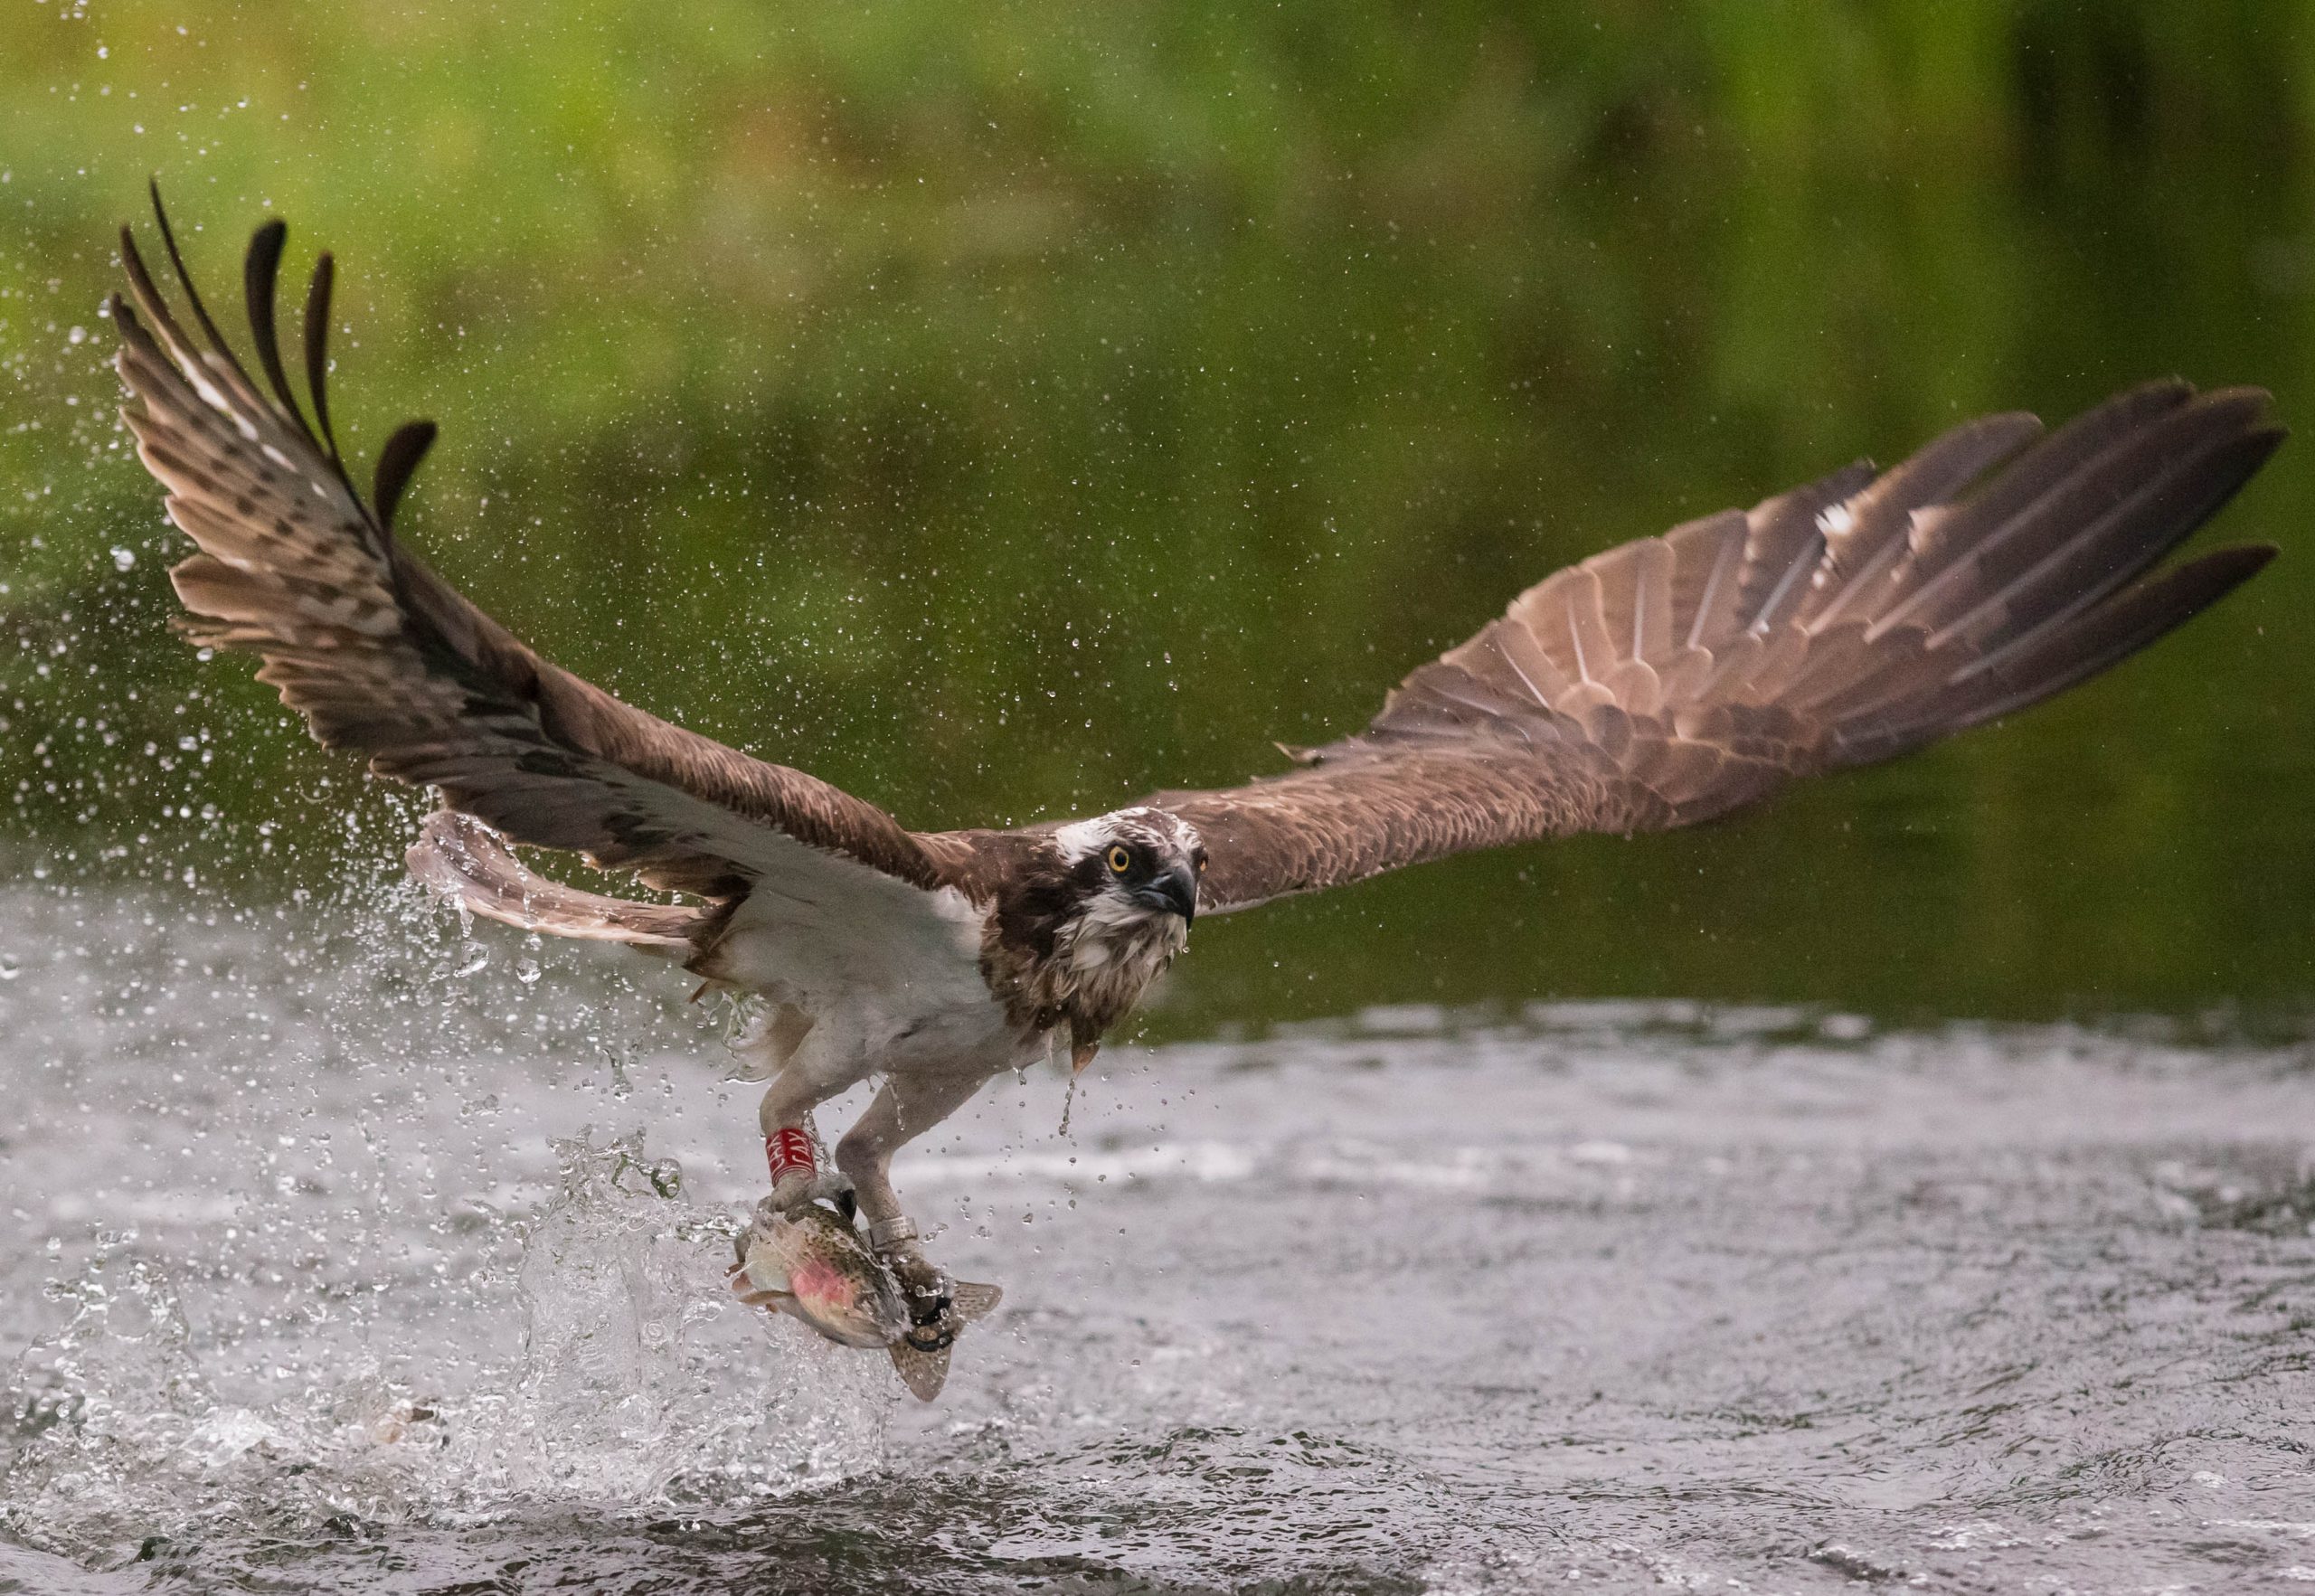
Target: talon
(932,1326)
(929,1337)
(798,1187)
(934,1323)
(792,1190)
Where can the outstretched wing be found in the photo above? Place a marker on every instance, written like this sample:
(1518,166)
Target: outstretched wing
(380,655)
(1675,678)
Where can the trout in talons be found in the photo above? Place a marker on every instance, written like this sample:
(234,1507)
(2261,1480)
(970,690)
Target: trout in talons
(809,1261)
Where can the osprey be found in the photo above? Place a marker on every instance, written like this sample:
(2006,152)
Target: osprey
(1660,683)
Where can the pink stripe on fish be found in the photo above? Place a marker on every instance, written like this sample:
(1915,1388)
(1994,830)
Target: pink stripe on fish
(822,1285)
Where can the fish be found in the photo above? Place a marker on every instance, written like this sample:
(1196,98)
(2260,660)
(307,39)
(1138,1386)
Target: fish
(811,1262)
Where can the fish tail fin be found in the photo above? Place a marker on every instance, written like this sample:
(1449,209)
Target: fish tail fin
(973,1300)
(923,1372)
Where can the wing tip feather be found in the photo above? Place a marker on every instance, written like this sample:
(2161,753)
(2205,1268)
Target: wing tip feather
(398,462)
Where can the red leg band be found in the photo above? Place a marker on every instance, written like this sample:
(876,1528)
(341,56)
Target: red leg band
(789,1149)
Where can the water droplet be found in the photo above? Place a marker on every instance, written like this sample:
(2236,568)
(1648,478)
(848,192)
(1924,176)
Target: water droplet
(477,958)
(527,970)
(9,968)
(124,558)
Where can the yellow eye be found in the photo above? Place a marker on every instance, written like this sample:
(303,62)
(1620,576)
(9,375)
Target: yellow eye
(1118,859)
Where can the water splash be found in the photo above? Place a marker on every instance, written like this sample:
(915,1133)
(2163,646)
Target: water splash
(631,1340)
(640,1384)
(113,1413)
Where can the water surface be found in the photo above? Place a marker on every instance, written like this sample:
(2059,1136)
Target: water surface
(357,1270)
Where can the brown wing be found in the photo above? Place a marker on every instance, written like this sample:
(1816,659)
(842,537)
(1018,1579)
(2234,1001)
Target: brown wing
(382,657)
(1675,678)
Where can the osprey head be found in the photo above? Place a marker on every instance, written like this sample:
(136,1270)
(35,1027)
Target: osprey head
(1096,913)
(1132,870)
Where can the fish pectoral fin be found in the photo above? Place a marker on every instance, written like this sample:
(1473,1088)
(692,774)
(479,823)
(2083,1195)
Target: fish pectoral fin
(923,1372)
(972,1301)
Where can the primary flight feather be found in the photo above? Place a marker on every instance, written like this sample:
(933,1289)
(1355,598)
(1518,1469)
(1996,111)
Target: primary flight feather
(1658,683)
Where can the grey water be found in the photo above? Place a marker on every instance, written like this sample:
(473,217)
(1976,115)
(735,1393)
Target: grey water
(347,1251)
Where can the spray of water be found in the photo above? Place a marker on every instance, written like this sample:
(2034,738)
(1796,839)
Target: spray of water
(368,1260)
(636,1384)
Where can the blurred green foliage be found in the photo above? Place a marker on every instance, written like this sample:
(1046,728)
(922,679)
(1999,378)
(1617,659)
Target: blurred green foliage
(1000,410)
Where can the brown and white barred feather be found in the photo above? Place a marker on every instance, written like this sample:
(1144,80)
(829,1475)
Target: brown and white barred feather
(381,656)
(1673,679)
(468,864)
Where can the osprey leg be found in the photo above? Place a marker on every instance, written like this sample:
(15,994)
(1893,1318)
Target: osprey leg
(786,1115)
(905,1109)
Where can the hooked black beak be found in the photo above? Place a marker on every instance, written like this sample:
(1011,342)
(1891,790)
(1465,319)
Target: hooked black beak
(1176,891)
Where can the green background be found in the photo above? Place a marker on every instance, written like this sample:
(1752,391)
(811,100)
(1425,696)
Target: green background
(1002,410)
